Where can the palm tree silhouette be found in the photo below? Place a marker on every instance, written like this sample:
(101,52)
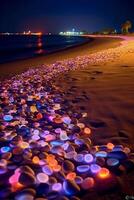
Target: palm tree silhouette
(126,26)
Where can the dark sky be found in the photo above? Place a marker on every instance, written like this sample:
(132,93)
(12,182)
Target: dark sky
(62,15)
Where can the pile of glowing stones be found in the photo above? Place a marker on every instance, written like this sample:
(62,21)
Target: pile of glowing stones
(45,148)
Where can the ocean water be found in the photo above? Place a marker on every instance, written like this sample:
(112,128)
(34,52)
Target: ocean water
(15,47)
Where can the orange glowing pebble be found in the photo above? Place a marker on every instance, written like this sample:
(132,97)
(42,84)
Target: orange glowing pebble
(24,145)
(87,183)
(36,160)
(110,146)
(39,116)
(53,163)
(71,176)
(16,186)
(33,109)
(50,157)
(57,168)
(87,131)
(58,120)
(104,173)
(23,101)
(49,137)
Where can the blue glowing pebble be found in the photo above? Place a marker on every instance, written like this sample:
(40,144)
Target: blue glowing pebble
(22,196)
(78,179)
(5,149)
(88,158)
(95,168)
(102,154)
(83,168)
(57,143)
(47,170)
(112,162)
(70,187)
(8,118)
(118,155)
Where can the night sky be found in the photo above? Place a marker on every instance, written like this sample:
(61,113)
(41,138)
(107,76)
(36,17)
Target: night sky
(62,15)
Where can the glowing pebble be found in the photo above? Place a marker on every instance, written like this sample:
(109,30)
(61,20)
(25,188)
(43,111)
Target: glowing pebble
(57,168)
(87,131)
(63,135)
(112,162)
(14,178)
(8,118)
(66,120)
(79,158)
(36,160)
(36,132)
(49,137)
(71,176)
(104,173)
(35,137)
(42,178)
(5,149)
(24,145)
(110,146)
(88,158)
(81,125)
(102,154)
(95,168)
(33,109)
(126,150)
(47,170)
(83,168)
(78,179)
(57,187)
(87,183)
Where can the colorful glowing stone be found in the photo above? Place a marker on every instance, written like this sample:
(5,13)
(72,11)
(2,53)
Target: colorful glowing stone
(49,137)
(87,131)
(78,179)
(83,168)
(71,176)
(87,183)
(112,162)
(33,109)
(24,145)
(47,170)
(35,137)
(110,146)
(81,125)
(42,177)
(79,157)
(57,168)
(104,173)
(14,178)
(57,187)
(88,158)
(102,154)
(63,135)
(70,187)
(95,168)
(5,149)
(8,118)
(66,120)
(36,160)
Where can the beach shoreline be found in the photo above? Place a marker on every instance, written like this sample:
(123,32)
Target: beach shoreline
(10,69)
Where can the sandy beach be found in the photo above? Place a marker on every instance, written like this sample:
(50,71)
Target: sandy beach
(103,88)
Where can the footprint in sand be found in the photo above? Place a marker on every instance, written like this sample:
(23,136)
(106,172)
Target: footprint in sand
(123,134)
(97,123)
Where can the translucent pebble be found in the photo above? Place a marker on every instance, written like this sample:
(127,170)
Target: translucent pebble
(87,183)
(33,109)
(83,168)
(79,158)
(5,149)
(71,155)
(47,170)
(36,132)
(112,162)
(88,158)
(78,179)
(57,187)
(102,154)
(104,173)
(66,120)
(35,137)
(8,118)
(110,146)
(95,168)
(63,135)
(24,145)
(87,131)
(81,125)
(42,178)
(71,176)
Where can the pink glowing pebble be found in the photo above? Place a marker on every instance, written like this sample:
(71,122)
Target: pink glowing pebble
(36,132)
(71,176)
(35,137)
(14,178)
(88,183)
(42,178)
